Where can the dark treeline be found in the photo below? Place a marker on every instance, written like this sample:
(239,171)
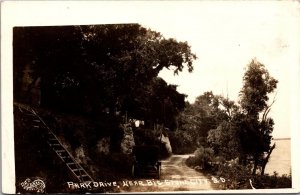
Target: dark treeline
(100,68)
(86,82)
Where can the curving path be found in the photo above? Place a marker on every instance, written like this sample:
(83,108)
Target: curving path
(175,176)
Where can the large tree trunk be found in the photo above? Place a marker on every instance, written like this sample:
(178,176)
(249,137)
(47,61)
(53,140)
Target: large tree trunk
(266,160)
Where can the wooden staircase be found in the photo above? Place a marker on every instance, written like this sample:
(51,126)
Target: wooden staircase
(76,170)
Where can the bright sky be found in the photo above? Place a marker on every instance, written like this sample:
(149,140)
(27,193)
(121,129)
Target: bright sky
(225,37)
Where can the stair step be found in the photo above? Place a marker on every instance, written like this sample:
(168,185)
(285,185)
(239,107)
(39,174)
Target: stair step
(30,114)
(21,110)
(75,170)
(51,134)
(65,157)
(36,126)
(70,164)
(85,178)
(54,144)
(61,151)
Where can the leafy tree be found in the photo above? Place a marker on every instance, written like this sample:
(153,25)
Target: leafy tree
(255,125)
(99,69)
(206,113)
(95,67)
(258,84)
(237,131)
(223,139)
(156,103)
(247,132)
(132,57)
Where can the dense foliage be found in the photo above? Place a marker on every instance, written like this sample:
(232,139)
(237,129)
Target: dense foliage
(256,127)
(237,133)
(104,68)
(240,177)
(87,81)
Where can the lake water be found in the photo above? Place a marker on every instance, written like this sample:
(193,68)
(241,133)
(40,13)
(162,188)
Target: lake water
(280,160)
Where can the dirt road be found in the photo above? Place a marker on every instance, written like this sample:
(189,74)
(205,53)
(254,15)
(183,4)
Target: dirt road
(175,176)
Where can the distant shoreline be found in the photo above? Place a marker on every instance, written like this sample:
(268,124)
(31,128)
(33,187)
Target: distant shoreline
(287,138)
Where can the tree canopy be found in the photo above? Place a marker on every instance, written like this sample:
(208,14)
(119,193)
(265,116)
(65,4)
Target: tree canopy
(93,68)
(256,127)
(236,130)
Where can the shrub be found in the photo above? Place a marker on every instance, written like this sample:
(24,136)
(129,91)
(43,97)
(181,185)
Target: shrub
(239,177)
(236,176)
(182,142)
(272,181)
(203,158)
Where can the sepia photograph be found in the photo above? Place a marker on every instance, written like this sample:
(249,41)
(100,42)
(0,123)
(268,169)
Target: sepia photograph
(163,96)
